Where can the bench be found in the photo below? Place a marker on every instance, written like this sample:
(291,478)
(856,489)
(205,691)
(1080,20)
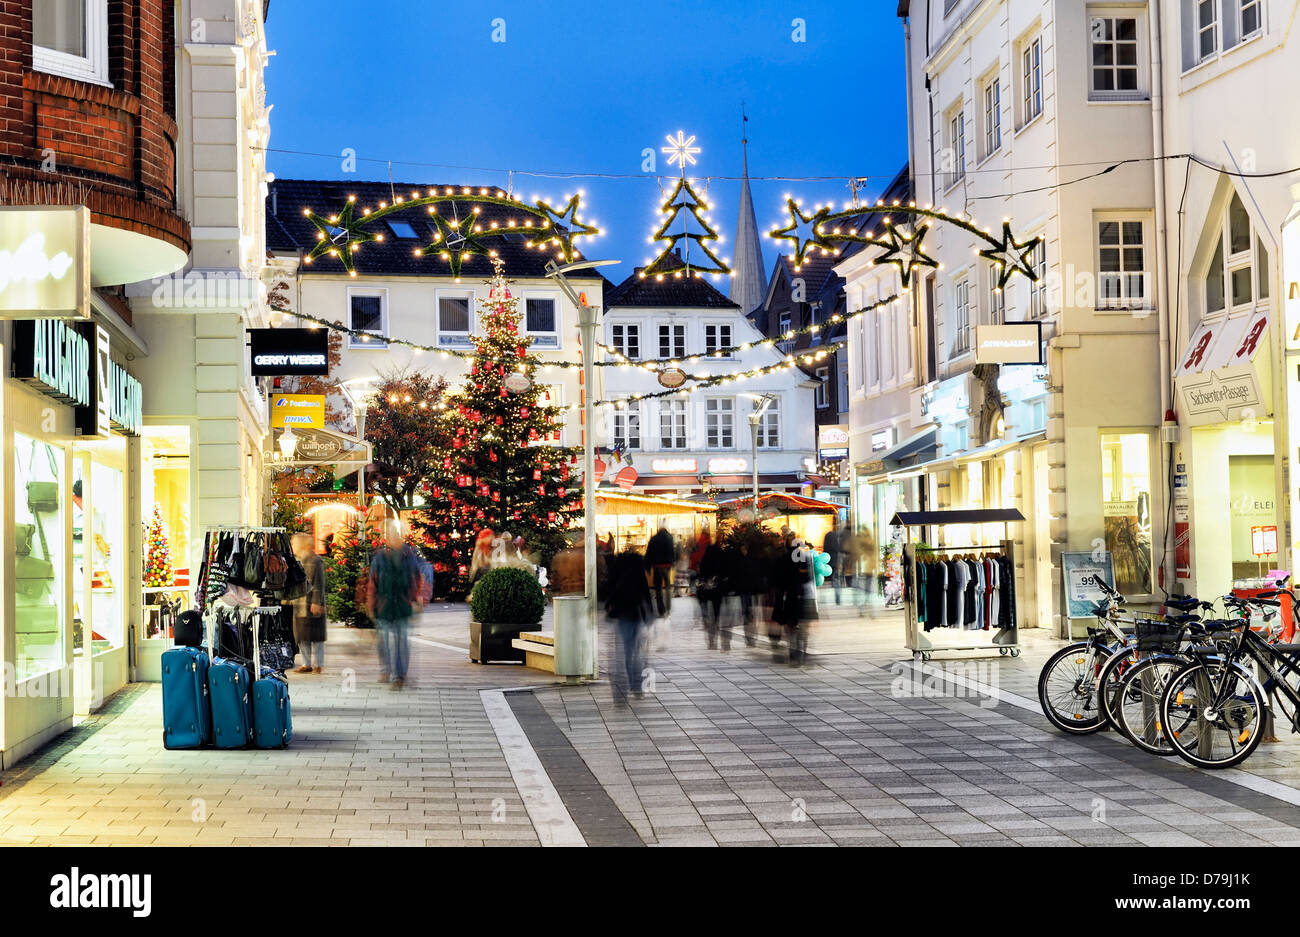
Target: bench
(539,650)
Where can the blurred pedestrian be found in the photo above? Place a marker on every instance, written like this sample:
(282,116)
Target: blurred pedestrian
(393,599)
(748,585)
(793,572)
(710,587)
(833,545)
(660,554)
(628,605)
(309,610)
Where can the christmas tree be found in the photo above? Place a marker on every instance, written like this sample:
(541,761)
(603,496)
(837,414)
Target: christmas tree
(500,467)
(157,560)
(670,260)
(348,561)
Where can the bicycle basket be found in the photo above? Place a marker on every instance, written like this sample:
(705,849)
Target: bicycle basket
(1157,636)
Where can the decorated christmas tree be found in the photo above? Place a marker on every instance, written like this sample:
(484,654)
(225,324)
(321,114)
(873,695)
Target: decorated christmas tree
(685,219)
(157,559)
(501,468)
(348,561)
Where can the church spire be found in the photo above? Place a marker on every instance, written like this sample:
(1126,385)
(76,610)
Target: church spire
(748,282)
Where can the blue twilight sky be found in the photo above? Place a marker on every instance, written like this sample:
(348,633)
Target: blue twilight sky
(581,88)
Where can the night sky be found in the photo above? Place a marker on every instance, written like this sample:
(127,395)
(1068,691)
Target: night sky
(581,89)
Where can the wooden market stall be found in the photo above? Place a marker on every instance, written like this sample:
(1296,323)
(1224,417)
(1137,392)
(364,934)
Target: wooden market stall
(634,519)
(809,518)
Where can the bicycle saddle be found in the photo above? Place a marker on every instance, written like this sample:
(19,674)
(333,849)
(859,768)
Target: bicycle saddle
(1184,603)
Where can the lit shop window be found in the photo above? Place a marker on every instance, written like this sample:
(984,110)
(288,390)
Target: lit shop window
(39,562)
(1126,508)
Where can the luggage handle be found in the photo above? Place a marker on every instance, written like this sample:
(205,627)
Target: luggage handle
(258,612)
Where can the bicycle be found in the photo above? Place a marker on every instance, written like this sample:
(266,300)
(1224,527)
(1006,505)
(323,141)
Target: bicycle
(1214,711)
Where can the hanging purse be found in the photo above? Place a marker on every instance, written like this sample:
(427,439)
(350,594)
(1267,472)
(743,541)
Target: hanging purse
(42,497)
(275,569)
(253,567)
(23,534)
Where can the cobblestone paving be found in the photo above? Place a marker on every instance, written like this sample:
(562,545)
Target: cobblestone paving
(730,748)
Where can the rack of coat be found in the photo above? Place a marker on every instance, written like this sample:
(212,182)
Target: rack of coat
(972,591)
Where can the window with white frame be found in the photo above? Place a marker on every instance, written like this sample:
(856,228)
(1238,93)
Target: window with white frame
(783,326)
(1038,288)
(716,338)
(625,338)
(1237,276)
(1206,28)
(672,341)
(1121,263)
(960,317)
(1212,27)
(368,314)
(769,426)
(996,297)
(672,424)
(956,155)
(991,114)
(455,319)
(626,431)
(70,38)
(720,422)
(823,378)
(1031,79)
(540,321)
(1116,44)
(1250,17)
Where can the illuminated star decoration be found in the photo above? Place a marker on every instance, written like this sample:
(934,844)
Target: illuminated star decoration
(339,236)
(904,251)
(456,239)
(681,150)
(805,232)
(564,226)
(1012,256)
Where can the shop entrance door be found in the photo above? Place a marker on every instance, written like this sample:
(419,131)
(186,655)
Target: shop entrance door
(1040,557)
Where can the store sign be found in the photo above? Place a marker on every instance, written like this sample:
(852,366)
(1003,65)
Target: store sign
(1263,540)
(626,478)
(1082,572)
(674,466)
(45,262)
(880,440)
(318,447)
(295,410)
(94,419)
(832,435)
(1009,343)
(834,454)
(727,466)
(672,378)
(280,352)
(517,382)
(1221,395)
(55,358)
(126,401)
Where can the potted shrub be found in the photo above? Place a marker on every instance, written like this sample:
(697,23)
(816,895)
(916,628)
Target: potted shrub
(505,602)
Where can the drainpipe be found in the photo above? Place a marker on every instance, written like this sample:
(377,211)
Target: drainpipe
(1169,432)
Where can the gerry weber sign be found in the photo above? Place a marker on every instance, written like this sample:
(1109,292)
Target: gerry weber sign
(278,352)
(45,262)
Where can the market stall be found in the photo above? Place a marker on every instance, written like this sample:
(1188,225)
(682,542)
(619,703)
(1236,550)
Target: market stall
(634,519)
(808,518)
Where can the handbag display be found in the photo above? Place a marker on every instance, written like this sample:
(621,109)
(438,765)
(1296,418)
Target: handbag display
(253,568)
(23,534)
(42,497)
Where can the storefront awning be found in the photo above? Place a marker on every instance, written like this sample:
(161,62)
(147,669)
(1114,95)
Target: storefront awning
(915,449)
(982,516)
(777,502)
(611,503)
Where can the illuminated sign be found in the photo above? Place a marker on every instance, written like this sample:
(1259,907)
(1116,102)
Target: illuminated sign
(1009,343)
(276,352)
(54,357)
(672,466)
(832,434)
(45,262)
(727,466)
(295,410)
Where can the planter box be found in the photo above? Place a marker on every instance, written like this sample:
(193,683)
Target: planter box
(489,641)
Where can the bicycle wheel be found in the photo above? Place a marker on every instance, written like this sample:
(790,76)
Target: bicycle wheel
(1067,688)
(1220,711)
(1137,706)
(1108,679)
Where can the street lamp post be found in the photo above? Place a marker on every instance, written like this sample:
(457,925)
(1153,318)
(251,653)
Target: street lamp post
(756,417)
(587,329)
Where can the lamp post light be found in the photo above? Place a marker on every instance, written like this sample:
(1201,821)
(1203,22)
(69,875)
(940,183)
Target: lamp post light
(587,329)
(756,417)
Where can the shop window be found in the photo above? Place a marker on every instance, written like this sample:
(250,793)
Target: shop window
(1126,508)
(97,531)
(70,38)
(39,561)
(165,509)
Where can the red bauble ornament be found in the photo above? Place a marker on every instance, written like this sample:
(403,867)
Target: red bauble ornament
(499,421)
(473,369)
(437,493)
(523,413)
(550,516)
(503,392)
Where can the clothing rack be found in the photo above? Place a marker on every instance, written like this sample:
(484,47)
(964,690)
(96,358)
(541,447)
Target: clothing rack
(923,644)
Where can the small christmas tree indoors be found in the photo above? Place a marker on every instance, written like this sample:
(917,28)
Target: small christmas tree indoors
(157,560)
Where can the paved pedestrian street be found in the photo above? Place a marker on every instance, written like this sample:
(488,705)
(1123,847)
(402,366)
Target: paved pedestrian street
(727,748)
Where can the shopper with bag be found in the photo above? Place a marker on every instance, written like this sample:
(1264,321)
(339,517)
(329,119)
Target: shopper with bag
(309,610)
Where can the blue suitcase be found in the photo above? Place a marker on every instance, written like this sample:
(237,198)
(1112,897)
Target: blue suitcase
(272,720)
(187,715)
(231,691)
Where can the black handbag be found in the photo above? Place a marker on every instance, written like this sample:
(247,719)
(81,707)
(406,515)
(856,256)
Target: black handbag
(295,581)
(253,565)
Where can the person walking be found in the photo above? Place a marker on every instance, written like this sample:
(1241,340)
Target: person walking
(628,605)
(393,599)
(309,610)
(660,554)
(748,584)
(793,572)
(710,587)
(834,546)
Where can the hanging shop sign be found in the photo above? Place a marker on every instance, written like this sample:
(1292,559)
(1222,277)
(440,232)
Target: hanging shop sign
(55,358)
(626,478)
(674,466)
(1082,572)
(318,447)
(672,378)
(282,352)
(1009,343)
(727,466)
(832,435)
(1226,372)
(295,410)
(45,262)
(517,382)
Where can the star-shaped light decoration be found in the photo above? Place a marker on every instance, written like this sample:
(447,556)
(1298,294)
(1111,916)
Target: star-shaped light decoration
(564,226)
(804,231)
(339,235)
(1012,256)
(681,150)
(456,239)
(904,251)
